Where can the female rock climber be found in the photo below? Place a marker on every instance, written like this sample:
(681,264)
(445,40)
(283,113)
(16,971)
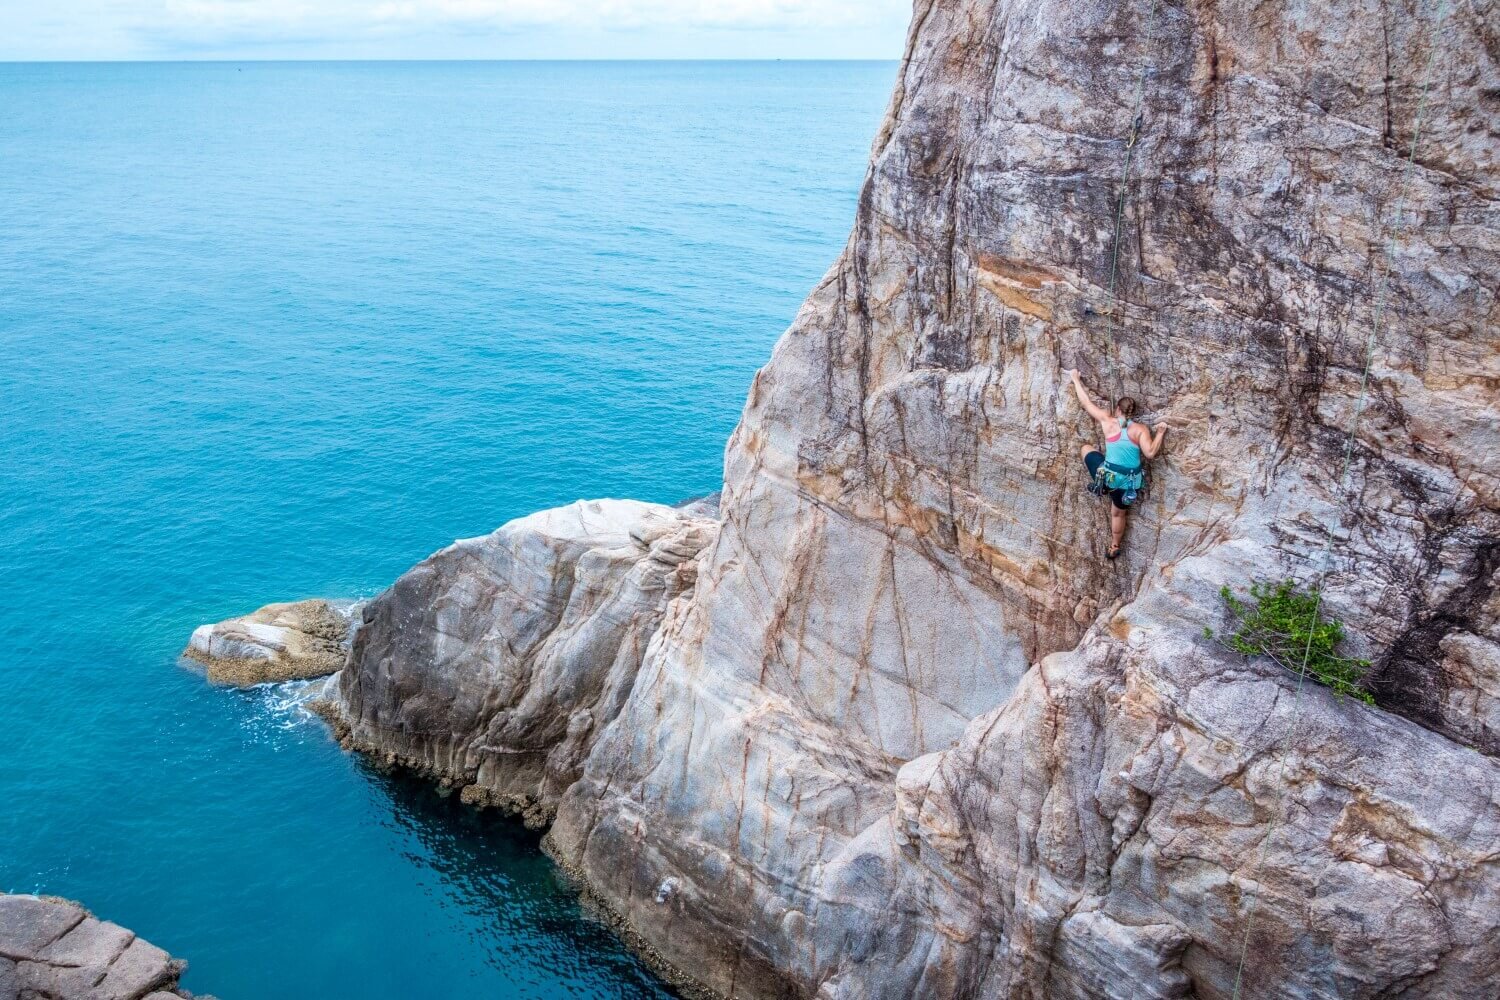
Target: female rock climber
(1118,471)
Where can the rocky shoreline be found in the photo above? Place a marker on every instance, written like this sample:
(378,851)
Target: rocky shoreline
(53,948)
(596,906)
(533,816)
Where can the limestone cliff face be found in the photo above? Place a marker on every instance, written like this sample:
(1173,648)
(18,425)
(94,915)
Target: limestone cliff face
(894,728)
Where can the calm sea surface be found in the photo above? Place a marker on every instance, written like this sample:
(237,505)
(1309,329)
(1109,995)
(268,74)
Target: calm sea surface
(277,330)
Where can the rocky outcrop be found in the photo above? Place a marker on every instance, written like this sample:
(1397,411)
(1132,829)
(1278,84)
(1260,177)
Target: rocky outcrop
(905,733)
(280,642)
(51,949)
(496,665)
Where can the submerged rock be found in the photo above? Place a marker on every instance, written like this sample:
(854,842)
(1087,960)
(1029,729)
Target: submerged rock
(280,642)
(894,728)
(704,506)
(52,949)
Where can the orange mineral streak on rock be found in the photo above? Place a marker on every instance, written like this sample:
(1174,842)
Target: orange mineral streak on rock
(1012,282)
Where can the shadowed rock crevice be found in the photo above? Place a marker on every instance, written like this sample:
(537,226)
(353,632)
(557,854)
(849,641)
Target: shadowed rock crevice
(1417,676)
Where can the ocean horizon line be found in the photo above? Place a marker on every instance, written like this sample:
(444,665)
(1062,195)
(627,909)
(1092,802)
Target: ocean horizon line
(216,61)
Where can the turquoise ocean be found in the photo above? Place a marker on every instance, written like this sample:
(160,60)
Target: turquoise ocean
(278,330)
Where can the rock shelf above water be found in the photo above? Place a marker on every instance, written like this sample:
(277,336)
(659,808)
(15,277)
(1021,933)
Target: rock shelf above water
(279,642)
(53,949)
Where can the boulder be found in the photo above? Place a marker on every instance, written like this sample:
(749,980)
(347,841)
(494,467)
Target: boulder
(280,642)
(530,640)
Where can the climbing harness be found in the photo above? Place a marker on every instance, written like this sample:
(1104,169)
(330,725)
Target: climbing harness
(1130,482)
(1377,320)
(1122,468)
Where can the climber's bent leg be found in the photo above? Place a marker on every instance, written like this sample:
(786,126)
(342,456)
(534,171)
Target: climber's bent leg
(1093,458)
(1116,529)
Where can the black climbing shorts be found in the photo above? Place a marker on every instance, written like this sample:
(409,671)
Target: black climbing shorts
(1094,460)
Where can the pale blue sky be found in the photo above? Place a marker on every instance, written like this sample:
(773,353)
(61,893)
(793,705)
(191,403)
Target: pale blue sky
(452,29)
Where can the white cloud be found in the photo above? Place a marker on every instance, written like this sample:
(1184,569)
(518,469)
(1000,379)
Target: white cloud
(442,28)
(228,22)
(634,14)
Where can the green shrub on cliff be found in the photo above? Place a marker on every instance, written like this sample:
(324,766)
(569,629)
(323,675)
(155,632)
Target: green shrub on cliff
(1284,623)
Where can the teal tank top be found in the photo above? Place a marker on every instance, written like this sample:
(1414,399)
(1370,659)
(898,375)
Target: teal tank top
(1122,452)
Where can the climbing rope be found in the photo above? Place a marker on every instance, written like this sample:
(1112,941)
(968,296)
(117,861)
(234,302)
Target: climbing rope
(1137,119)
(1377,319)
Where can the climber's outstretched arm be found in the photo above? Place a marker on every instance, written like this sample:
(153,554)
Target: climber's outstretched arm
(1095,411)
(1153,441)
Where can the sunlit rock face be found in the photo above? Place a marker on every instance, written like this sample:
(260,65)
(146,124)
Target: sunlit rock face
(495,664)
(906,733)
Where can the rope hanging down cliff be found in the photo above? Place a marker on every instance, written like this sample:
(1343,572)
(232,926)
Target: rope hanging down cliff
(1377,319)
(1137,120)
(1118,469)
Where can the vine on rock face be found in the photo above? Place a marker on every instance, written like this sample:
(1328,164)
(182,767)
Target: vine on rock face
(1283,623)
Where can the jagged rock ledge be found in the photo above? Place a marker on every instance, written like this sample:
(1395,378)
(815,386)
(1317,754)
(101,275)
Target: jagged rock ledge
(54,949)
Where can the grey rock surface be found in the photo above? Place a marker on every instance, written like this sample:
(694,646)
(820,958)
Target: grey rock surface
(893,728)
(279,642)
(53,949)
(528,642)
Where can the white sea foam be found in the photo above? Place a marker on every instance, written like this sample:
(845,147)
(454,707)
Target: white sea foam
(285,703)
